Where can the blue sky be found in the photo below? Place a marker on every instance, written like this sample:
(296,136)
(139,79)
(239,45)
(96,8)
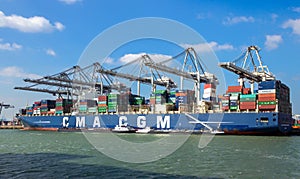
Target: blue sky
(39,38)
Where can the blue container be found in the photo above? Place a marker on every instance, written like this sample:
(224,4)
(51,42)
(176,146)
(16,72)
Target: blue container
(268,85)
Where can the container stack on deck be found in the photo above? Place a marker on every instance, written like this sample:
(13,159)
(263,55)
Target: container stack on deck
(102,104)
(234,93)
(248,102)
(63,106)
(36,108)
(47,107)
(209,93)
(112,102)
(123,102)
(267,95)
(29,110)
(225,102)
(87,105)
(185,100)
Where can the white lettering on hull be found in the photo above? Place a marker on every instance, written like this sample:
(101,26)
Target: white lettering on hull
(65,122)
(163,122)
(123,121)
(80,122)
(141,122)
(96,122)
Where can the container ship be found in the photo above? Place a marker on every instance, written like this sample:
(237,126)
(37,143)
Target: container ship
(266,110)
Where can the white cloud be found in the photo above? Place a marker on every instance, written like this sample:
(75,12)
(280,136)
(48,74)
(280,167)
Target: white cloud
(155,57)
(70,1)
(130,57)
(207,47)
(50,52)
(294,24)
(17,72)
(237,19)
(31,24)
(296,9)
(108,60)
(9,46)
(272,41)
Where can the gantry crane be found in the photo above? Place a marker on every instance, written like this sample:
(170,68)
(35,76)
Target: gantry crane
(73,82)
(154,79)
(196,71)
(249,68)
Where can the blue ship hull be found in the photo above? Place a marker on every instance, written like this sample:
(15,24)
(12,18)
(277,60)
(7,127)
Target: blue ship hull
(271,123)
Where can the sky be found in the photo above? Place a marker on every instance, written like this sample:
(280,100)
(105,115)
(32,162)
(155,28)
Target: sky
(39,38)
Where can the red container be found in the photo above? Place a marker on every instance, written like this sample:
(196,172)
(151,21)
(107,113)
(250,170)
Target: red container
(246,91)
(180,94)
(234,89)
(225,108)
(102,98)
(59,108)
(209,86)
(247,105)
(267,97)
(267,107)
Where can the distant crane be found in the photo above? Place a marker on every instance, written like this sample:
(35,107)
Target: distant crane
(5,106)
(249,69)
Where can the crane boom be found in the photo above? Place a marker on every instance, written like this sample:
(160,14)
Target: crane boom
(240,71)
(135,78)
(174,71)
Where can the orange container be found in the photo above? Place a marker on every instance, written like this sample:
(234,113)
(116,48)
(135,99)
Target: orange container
(267,97)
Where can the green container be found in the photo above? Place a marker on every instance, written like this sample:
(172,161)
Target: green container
(159,91)
(58,112)
(266,102)
(235,94)
(247,96)
(92,109)
(247,99)
(102,110)
(233,107)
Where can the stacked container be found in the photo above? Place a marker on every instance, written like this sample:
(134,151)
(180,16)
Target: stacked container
(248,102)
(209,93)
(59,106)
(37,108)
(112,102)
(47,106)
(160,96)
(267,95)
(123,102)
(185,100)
(29,110)
(87,105)
(63,106)
(234,92)
(225,102)
(102,104)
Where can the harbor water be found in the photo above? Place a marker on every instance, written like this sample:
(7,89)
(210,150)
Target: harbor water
(41,154)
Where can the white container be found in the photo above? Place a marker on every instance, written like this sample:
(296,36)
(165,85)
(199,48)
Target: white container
(265,91)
